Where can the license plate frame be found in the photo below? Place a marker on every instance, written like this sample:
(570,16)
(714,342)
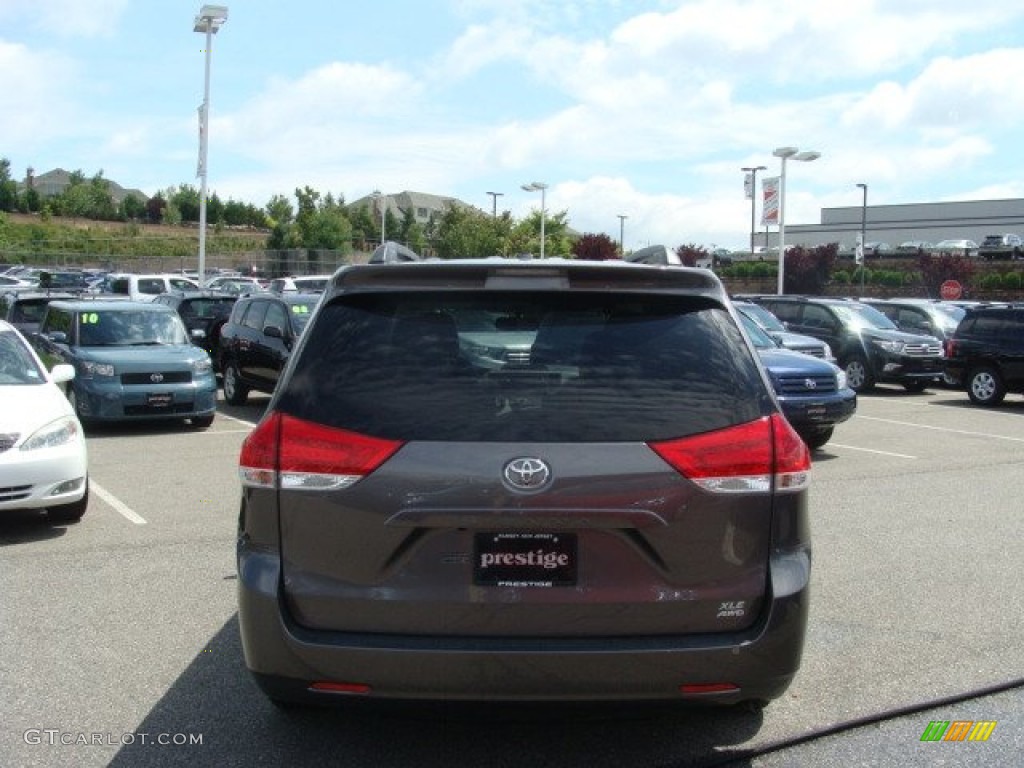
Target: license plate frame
(525,559)
(159,399)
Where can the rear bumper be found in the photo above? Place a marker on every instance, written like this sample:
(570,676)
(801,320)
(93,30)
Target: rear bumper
(286,659)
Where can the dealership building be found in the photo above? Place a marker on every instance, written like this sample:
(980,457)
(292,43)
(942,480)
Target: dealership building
(895,224)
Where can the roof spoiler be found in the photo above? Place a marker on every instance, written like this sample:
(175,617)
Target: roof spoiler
(655,254)
(391,251)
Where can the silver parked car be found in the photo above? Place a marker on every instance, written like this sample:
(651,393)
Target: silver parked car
(615,512)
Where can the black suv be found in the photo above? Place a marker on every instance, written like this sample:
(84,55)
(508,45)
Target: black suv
(985,354)
(257,339)
(204,314)
(867,344)
(616,511)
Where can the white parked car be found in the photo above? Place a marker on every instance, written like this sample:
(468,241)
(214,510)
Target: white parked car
(43,459)
(958,247)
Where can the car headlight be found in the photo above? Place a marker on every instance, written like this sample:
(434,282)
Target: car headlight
(203,365)
(56,433)
(895,347)
(841,379)
(828,352)
(99,370)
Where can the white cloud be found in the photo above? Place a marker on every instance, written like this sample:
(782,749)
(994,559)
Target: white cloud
(67,18)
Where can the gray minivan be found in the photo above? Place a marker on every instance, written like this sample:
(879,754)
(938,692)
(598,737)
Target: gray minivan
(617,512)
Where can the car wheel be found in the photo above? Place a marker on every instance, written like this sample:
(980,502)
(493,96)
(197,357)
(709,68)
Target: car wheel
(985,386)
(915,386)
(815,438)
(70,513)
(202,422)
(235,391)
(858,375)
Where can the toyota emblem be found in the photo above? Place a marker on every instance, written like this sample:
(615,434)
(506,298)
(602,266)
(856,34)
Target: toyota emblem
(527,474)
(810,384)
(156,378)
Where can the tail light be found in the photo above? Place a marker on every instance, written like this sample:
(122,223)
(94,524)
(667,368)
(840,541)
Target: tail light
(289,453)
(748,458)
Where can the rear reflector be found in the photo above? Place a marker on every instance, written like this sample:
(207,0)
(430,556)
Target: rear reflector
(697,688)
(747,458)
(295,454)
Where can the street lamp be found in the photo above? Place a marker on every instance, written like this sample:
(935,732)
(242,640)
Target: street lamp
(379,196)
(786,153)
(622,232)
(863,235)
(751,171)
(494,202)
(538,186)
(210,19)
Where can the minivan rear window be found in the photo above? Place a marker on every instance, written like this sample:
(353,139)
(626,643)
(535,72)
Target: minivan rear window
(514,366)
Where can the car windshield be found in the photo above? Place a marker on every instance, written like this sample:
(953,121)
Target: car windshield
(756,333)
(762,317)
(18,366)
(122,328)
(863,316)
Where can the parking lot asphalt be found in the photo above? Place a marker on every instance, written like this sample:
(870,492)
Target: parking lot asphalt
(120,632)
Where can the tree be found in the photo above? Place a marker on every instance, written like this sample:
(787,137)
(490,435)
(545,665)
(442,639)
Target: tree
(937,269)
(468,233)
(155,208)
(595,247)
(8,187)
(690,254)
(807,270)
(279,211)
(186,199)
(132,209)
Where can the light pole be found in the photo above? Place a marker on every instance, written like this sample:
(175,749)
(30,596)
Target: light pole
(785,153)
(622,232)
(494,203)
(863,235)
(383,213)
(539,186)
(210,19)
(751,172)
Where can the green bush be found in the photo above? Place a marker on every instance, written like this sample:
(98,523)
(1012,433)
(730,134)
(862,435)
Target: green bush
(763,269)
(992,281)
(842,277)
(1012,281)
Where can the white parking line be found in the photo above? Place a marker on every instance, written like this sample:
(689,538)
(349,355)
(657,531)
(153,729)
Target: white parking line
(118,505)
(871,450)
(987,435)
(235,418)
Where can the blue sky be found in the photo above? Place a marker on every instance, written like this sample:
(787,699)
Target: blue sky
(642,108)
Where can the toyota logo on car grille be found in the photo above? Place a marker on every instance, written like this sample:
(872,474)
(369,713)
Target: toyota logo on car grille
(156,378)
(527,474)
(810,384)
